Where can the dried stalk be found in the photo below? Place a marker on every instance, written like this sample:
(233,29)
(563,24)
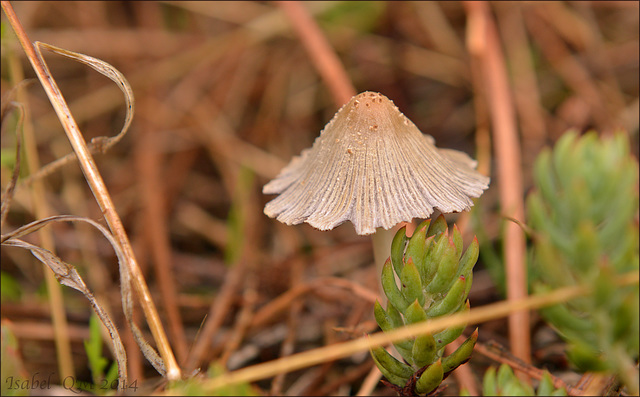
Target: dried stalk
(99,144)
(484,44)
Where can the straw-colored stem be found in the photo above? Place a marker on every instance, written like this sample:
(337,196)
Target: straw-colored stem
(484,44)
(94,179)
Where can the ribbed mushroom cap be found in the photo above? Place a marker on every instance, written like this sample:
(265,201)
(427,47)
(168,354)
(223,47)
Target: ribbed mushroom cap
(372,166)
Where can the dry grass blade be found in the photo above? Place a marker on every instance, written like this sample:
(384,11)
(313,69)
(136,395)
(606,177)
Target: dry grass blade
(99,144)
(125,279)
(125,284)
(66,274)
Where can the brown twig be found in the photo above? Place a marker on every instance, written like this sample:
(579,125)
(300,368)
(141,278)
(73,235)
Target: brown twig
(292,324)
(249,298)
(149,165)
(483,43)
(283,301)
(598,384)
(217,313)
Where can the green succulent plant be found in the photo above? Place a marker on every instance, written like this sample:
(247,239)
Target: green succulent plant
(583,212)
(504,383)
(435,277)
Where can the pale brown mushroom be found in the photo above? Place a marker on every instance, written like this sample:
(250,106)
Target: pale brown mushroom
(372,166)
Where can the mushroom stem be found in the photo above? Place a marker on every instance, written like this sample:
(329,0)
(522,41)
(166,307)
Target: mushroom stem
(381,241)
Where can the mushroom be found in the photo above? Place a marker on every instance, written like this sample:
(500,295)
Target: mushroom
(372,166)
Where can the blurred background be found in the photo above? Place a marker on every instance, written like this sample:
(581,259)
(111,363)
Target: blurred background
(225,96)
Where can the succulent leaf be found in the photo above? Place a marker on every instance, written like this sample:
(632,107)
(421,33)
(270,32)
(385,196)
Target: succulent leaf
(469,259)
(489,387)
(546,388)
(445,275)
(411,285)
(415,247)
(392,364)
(430,378)
(461,354)
(387,321)
(424,350)
(391,288)
(394,315)
(382,318)
(452,300)
(397,249)
(415,313)
(457,241)
(430,264)
(391,377)
(438,226)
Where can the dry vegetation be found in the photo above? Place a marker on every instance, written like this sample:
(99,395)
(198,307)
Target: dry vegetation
(226,93)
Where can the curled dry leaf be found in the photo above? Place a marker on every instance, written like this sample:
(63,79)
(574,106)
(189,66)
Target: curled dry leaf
(68,275)
(372,166)
(98,144)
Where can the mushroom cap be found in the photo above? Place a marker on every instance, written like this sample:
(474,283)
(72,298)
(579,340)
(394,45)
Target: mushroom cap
(372,166)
